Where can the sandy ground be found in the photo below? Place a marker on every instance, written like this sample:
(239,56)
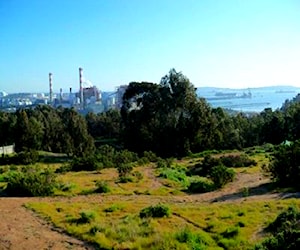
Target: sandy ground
(20,228)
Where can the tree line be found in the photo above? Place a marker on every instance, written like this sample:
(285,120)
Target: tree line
(166,118)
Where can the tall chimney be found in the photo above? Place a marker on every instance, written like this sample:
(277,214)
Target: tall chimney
(60,95)
(80,88)
(50,88)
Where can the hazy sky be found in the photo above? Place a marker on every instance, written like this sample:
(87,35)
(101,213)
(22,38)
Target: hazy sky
(221,43)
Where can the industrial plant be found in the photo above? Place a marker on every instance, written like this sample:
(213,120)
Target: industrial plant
(88,98)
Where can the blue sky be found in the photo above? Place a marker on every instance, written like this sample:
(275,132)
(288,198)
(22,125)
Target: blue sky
(221,43)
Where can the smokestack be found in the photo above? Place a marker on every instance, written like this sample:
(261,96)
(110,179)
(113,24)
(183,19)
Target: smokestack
(70,90)
(50,87)
(80,87)
(60,95)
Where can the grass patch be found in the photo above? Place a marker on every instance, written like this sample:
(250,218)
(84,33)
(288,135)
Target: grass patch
(214,226)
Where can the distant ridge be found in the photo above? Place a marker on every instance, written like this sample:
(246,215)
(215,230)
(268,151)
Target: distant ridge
(275,87)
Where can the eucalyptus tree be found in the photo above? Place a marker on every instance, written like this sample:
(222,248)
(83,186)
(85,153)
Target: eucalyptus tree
(166,118)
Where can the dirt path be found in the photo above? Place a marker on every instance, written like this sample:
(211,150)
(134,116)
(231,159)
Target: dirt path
(22,229)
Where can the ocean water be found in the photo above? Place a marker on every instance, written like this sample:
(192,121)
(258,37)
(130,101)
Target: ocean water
(249,100)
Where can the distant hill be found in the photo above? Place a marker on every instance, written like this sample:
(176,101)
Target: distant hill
(248,99)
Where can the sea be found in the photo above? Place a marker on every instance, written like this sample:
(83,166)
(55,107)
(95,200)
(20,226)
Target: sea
(250,99)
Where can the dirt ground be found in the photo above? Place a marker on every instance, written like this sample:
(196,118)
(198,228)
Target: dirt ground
(20,228)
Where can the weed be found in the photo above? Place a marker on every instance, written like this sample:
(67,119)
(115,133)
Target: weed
(95,229)
(193,240)
(65,187)
(113,208)
(85,217)
(125,179)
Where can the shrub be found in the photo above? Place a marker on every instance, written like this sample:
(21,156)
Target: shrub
(125,157)
(150,156)
(193,240)
(175,174)
(112,208)
(157,211)
(221,175)
(285,232)
(88,163)
(95,229)
(137,175)
(30,182)
(231,232)
(285,165)
(27,157)
(143,161)
(85,217)
(201,186)
(125,179)
(164,163)
(237,161)
(204,168)
(102,187)
(124,169)
(106,155)
(285,220)
(64,169)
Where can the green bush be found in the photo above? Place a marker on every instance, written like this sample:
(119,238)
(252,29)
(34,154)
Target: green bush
(85,217)
(143,161)
(106,155)
(285,220)
(88,163)
(31,181)
(113,208)
(192,239)
(157,211)
(150,156)
(204,168)
(137,175)
(201,186)
(237,161)
(64,169)
(125,179)
(285,165)
(221,175)
(231,232)
(285,232)
(27,157)
(164,163)
(176,174)
(125,157)
(124,169)
(102,187)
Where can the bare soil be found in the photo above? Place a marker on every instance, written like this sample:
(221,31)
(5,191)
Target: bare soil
(20,228)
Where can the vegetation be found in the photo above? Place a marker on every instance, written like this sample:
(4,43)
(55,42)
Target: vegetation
(285,168)
(30,181)
(157,211)
(162,144)
(285,232)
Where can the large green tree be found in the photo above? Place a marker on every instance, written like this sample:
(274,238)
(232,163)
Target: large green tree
(77,140)
(166,118)
(28,132)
